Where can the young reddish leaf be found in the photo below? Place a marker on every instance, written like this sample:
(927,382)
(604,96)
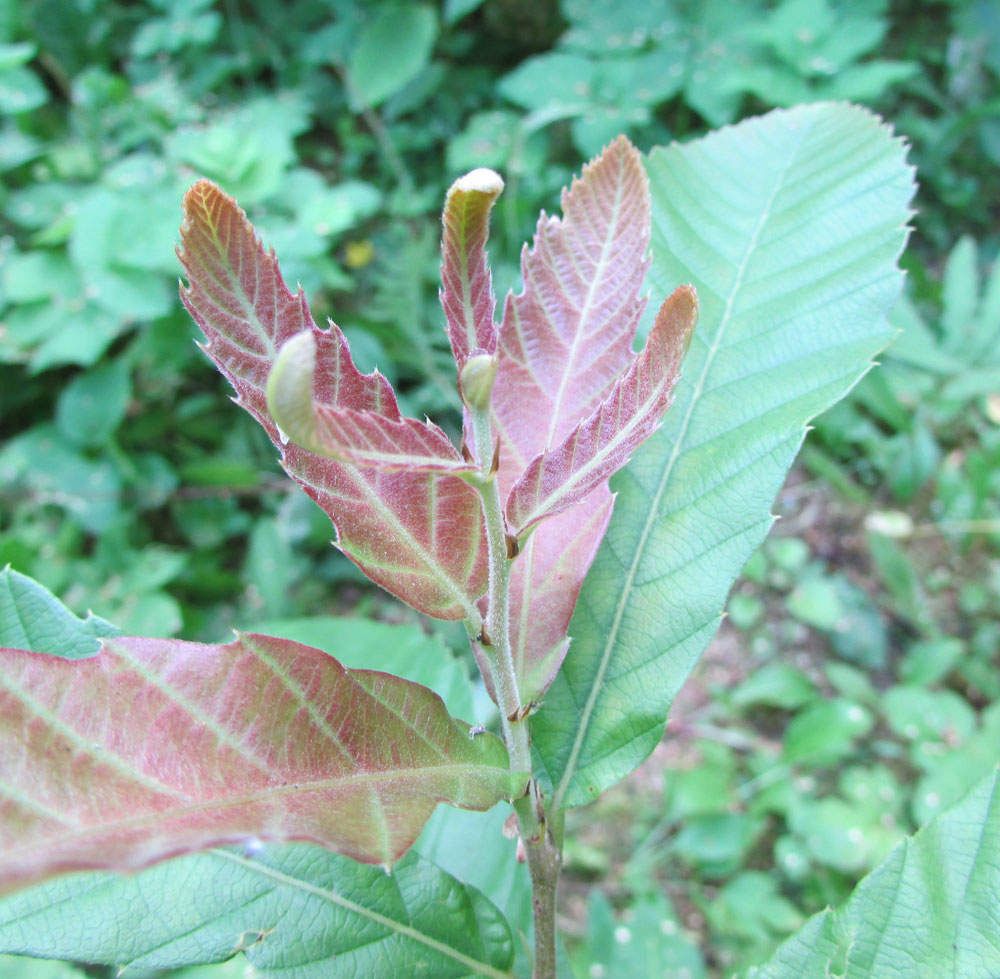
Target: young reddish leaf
(564,341)
(556,480)
(155,748)
(545,582)
(567,337)
(466,283)
(361,438)
(419,535)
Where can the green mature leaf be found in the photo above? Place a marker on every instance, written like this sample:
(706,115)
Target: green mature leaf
(789,226)
(296,911)
(927,911)
(32,618)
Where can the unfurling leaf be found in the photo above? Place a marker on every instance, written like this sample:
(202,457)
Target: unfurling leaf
(564,342)
(417,534)
(601,445)
(362,438)
(155,748)
(466,283)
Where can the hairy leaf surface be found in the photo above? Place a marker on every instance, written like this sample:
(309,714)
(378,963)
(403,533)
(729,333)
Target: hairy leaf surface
(295,911)
(564,341)
(419,535)
(930,909)
(159,747)
(601,445)
(789,227)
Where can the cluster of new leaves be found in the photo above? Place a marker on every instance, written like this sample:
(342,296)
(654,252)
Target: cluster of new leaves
(153,748)
(568,400)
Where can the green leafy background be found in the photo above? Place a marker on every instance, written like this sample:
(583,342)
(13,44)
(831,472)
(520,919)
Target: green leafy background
(851,693)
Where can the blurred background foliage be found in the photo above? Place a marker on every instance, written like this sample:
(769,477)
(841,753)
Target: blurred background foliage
(853,691)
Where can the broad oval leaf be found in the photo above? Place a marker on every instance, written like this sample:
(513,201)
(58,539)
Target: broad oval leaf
(789,227)
(564,341)
(417,534)
(928,910)
(293,910)
(159,747)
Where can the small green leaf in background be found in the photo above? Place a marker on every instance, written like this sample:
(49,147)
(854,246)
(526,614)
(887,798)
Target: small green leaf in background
(774,685)
(647,940)
(931,660)
(21,90)
(751,907)
(817,603)
(91,407)
(392,50)
(825,731)
(717,843)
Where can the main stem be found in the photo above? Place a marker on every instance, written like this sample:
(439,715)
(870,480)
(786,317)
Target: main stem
(542,846)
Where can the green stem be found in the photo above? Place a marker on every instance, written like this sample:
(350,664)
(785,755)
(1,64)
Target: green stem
(542,846)
(497,624)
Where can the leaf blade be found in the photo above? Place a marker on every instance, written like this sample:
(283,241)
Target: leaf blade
(159,747)
(564,341)
(286,907)
(599,446)
(418,535)
(812,201)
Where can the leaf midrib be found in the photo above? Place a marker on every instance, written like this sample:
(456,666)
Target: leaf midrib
(653,510)
(592,290)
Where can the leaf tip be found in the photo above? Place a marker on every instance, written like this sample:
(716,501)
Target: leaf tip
(482,180)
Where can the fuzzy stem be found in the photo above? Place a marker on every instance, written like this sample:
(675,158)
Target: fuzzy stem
(544,851)
(497,624)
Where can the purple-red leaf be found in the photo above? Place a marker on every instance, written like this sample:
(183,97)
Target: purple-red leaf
(417,534)
(564,342)
(155,748)
(599,446)
(466,283)
(361,438)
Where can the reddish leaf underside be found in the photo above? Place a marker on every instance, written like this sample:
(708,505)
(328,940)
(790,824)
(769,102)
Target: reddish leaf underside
(600,445)
(419,535)
(155,748)
(564,342)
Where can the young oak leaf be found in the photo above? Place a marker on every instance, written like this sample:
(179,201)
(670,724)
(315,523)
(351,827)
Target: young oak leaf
(361,438)
(599,446)
(466,283)
(417,534)
(154,748)
(564,342)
